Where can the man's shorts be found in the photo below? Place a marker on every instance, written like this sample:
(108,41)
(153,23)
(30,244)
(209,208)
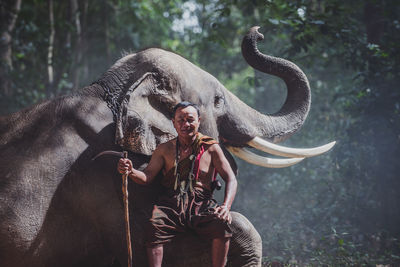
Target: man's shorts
(185,212)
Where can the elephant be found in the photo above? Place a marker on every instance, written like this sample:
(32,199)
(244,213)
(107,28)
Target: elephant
(58,207)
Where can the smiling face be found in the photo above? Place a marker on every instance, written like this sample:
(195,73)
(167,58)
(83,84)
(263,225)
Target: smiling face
(186,122)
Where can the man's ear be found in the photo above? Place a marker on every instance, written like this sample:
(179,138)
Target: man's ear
(141,127)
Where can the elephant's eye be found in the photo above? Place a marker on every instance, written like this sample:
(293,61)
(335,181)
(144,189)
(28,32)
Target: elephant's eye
(218,101)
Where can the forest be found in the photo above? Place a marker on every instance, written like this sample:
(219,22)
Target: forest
(341,208)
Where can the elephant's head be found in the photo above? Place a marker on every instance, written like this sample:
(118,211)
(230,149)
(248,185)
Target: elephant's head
(142,89)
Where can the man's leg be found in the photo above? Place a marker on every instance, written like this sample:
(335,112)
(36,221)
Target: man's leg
(155,255)
(220,247)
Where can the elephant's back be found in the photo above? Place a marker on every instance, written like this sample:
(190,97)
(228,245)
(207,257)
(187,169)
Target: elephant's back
(38,146)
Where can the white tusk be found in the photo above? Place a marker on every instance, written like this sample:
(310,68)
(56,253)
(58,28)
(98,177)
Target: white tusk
(275,149)
(262,161)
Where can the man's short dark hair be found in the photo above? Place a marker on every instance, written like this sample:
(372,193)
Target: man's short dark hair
(185,104)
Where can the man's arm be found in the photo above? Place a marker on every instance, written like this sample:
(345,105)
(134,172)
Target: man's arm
(149,173)
(224,169)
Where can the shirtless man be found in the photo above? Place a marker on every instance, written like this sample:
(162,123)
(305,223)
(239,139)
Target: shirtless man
(189,164)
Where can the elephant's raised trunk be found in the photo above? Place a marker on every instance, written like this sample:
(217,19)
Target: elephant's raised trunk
(293,113)
(286,121)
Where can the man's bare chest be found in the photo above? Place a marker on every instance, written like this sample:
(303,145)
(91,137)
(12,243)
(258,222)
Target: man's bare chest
(206,169)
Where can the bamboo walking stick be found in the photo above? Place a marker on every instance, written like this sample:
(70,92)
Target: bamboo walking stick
(123,154)
(126,208)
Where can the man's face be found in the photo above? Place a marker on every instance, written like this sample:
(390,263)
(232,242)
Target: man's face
(186,121)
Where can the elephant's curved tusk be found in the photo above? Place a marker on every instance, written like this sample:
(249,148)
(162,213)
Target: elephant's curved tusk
(262,161)
(278,150)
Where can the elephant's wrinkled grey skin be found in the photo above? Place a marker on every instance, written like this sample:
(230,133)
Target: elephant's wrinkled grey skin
(59,208)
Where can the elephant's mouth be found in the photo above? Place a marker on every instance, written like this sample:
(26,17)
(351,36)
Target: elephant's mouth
(292,155)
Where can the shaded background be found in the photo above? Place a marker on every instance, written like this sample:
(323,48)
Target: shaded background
(341,208)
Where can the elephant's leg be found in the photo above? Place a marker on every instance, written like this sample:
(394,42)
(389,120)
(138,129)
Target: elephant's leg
(246,246)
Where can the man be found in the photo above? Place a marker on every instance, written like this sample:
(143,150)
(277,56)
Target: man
(189,164)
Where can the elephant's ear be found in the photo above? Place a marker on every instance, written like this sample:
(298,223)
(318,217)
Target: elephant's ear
(143,123)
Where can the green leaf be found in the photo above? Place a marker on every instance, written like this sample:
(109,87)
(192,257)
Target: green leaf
(274,21)
(318,22)
(20,55)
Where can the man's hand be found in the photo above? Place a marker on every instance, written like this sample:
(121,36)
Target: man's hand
(223,213)
(125,166)
(149,173)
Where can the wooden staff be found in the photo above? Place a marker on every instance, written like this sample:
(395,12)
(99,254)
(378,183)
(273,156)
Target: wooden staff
(126,208)
(123,154)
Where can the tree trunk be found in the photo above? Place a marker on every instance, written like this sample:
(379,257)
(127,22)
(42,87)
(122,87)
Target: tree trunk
(80,22)
(107,36)
(85,72)
(374,21)
(9,10)
(50,70)
(374,26)
(78,42)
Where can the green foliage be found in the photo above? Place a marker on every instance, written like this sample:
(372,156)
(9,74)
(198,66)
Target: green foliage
(338,209)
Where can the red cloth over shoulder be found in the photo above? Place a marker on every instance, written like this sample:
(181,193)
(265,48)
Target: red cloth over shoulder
(200,146)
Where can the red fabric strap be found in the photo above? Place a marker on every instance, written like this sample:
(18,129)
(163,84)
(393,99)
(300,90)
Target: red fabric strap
(197,164)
